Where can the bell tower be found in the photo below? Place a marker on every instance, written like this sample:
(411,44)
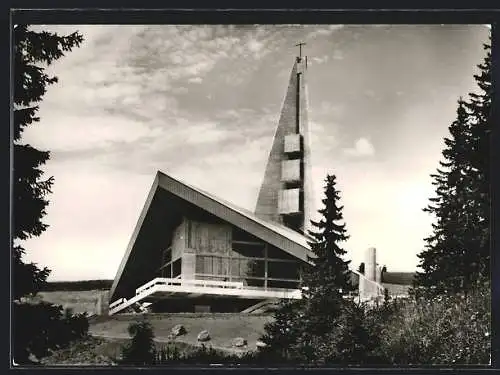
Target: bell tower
(285,195)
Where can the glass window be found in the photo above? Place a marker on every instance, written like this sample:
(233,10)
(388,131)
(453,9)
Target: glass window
(243,267)
(166,271)
(275,253)
(208,267)
(243,250)
(282,284)
(283,270)
(199,264)
(240,235)
(235,267)
(166,256)
(255,282)
(189,234)
(176,267)
(256,268)
(217,265)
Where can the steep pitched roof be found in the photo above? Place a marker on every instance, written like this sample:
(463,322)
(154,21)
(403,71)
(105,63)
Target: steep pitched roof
(277,235)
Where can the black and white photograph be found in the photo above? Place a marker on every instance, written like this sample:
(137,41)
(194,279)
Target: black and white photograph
(251,195)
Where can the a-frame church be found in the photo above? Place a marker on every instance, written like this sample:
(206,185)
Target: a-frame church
(194,252)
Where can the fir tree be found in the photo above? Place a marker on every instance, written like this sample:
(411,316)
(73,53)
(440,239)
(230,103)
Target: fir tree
(33,51)
(329,276)
(479,107)
(327,280)
(300,326)
(456,256)
(361,268)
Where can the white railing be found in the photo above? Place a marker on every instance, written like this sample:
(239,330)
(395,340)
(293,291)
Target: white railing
(117,302)
(146,289)
(183,282)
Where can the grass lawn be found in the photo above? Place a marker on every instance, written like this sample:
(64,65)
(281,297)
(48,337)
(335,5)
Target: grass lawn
(223,328)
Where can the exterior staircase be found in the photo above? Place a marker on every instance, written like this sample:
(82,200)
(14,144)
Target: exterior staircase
(261,307)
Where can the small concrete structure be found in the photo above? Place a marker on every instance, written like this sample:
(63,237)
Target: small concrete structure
(370,286)
(101,304)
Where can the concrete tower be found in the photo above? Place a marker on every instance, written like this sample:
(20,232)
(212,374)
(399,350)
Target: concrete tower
(285,195)
(370,285)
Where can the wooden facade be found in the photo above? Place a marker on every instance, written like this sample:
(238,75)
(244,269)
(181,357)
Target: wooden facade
(203,250)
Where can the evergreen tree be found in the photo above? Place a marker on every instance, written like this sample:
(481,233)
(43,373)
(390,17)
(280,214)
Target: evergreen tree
(361,268)
(300,326)
(141,350)
(479,107)
(327,280)
(33,51)
(456,255)
(329,276)
(282,333)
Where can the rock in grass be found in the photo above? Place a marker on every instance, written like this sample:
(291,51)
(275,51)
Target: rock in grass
(260,344)
(178,330)
(238,342)
(203,336)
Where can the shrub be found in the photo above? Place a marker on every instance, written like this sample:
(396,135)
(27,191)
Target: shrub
(42,328)
(167,354)
(443,330)
(141,350)
(345,337)
(350,340)
(205,355)
(170,354)
(282,333)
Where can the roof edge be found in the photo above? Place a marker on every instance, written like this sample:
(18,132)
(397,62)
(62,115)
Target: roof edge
(133,237)
(239,211)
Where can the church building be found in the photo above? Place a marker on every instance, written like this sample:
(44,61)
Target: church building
(194,252)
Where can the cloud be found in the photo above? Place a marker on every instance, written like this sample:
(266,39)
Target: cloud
(338,55)
(323,31)
(362,147)
(86,132)
(370,93)
(195,80)
(327,110)
(320,60)
(228,114)
(206,133)
(255,45)
(179,90)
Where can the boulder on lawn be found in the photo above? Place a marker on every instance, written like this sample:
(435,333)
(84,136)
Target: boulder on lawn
(238,342)
(260,344)
(203,336)
(178,330)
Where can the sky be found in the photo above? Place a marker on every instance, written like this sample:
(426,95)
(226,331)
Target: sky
(202,102)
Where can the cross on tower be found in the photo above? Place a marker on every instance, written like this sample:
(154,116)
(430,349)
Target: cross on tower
(300,48)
